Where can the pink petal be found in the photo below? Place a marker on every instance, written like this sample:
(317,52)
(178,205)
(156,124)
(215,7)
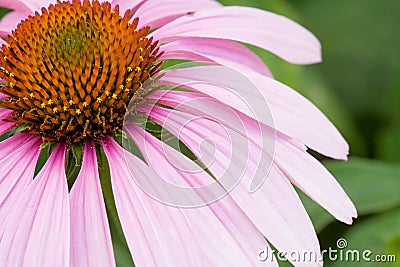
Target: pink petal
(157,13)
(2,96)
(272,32)
(17,168)
(90,234)
(158,234)
(312,178)
(37,233)
(297,117)
(10,21)
(132,5)
(17,5)
(292,114)
(224,52)
(275,208)
(4,125)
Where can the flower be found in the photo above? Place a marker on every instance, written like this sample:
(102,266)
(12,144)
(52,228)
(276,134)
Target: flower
(84,81)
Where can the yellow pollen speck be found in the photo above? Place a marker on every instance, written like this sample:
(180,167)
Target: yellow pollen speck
(69,95)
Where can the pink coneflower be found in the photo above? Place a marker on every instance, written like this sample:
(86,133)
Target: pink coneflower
(84,79)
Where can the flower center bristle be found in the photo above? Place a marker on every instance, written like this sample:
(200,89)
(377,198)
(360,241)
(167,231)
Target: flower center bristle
(71,71)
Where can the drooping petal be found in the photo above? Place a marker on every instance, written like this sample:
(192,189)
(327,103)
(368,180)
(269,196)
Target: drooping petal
(90,234)
(292,114)
(269,31)
(297,117)
(38,231)
(17,166)
(312,178)
(224,52)
(156,13)
(214,235)
(275,208)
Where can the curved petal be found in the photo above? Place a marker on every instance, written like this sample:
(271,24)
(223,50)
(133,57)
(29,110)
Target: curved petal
(38,232)
(313,178)
(132,5)
(156,13)
(36,5)
(297,117)
(224,52)
(17,5)
(269,31)
(293,115)
(90,234)
(10,21)
(17,168)
(275,208)
(172,236)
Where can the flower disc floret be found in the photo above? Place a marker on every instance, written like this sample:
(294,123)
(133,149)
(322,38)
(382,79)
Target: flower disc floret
(71,70)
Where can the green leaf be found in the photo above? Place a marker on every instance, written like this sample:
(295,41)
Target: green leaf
(380,234)
(372,185)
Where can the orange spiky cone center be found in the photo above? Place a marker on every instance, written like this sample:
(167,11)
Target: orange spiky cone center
(71,71)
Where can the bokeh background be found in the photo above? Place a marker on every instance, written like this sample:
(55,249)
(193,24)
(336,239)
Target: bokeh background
(358,87)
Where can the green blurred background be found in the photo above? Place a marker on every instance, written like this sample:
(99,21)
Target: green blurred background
(358,87)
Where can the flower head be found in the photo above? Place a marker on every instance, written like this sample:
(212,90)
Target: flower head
(84,88)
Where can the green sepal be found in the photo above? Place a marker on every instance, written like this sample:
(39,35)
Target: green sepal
(73,163)
(121,249)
